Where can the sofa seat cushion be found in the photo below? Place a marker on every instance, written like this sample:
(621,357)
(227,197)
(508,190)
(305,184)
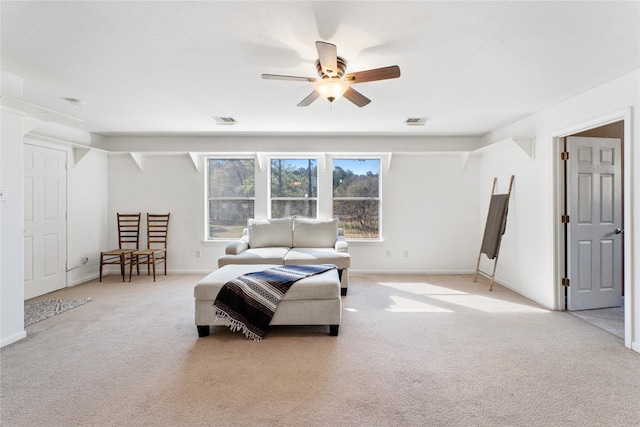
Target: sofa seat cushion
(317,256)
(255,256)
(321,286)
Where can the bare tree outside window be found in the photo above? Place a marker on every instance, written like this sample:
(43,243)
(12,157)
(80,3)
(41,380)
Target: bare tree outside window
(294,188)
(356,196)
(231,196)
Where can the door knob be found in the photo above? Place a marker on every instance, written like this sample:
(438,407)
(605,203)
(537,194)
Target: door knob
(618,231)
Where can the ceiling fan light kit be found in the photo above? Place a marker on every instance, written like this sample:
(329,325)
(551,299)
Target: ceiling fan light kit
(333,83)
(331,88)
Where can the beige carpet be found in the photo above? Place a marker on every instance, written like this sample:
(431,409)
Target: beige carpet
(609,319)
(412,350)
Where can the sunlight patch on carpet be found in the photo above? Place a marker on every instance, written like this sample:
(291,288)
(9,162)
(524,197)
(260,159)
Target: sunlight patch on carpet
(407,305)
(34,313)
(425,297)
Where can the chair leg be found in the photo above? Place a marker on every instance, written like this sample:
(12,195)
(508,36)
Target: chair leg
(101,260)
(122,266)
(153,260)
(165,263)
(131,267)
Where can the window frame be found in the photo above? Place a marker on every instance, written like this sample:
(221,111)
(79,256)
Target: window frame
(270,198)
(208,199)
(352,198)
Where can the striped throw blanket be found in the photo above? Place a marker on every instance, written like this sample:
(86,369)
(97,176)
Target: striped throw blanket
(249,302)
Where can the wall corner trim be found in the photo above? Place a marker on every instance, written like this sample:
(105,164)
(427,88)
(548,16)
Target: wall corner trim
(525,143)
(260,160)
(137,157)
(195,159)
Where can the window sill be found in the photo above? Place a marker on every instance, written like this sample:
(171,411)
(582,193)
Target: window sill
(218,242)
(357,242)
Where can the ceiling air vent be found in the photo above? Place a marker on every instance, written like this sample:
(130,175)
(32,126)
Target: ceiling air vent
(415,121)
(225,120)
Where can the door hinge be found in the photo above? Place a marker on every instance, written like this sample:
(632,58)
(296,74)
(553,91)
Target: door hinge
(564,219)
(566,281)
(564,155)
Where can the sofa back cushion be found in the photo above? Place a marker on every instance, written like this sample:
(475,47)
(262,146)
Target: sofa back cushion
(275,232)
(314,233)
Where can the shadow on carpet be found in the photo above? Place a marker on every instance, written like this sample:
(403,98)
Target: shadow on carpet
(609,319)
(34,313)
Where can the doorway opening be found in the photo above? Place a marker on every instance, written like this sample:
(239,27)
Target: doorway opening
(590,236)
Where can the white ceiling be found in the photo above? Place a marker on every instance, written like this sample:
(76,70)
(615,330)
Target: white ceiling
(168,67)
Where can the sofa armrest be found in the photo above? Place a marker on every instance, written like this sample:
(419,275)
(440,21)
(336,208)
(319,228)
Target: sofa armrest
(341,244)
(237,246)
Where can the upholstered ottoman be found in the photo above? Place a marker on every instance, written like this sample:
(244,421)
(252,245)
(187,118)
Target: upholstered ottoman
(314,300)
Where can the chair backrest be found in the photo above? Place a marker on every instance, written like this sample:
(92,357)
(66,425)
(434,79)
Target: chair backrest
(128,230)
(157,230)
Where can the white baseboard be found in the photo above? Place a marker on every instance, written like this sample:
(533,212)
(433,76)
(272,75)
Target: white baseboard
(13,338)
(401,272)
(192,271)
(635,346)
(85,279)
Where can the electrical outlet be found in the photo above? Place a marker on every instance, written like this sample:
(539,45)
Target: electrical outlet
(406,253)
(197,254)
(388,254)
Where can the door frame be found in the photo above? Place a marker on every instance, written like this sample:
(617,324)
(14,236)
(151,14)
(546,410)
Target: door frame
(558,210)
(30,140)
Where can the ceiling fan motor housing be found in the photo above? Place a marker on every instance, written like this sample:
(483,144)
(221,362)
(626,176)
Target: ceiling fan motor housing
(342,66)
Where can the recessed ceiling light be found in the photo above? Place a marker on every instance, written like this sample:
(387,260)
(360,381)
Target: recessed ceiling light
(415,121)
(75,101)
(225,120)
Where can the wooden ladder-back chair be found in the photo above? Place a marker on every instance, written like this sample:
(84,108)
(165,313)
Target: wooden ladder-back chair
(156,252)
(128,241)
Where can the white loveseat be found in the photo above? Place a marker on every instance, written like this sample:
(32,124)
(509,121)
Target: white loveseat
(287,241)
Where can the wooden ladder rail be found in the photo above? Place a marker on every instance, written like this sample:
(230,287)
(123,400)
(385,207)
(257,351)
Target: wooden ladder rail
(495,262)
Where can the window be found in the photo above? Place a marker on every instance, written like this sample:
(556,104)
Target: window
(294,188)
(231,196)
(356,196)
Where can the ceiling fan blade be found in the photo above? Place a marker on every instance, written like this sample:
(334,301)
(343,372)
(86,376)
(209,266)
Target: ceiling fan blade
(356,97)
(309,99)
(384,73)
(328,56)
(295,78)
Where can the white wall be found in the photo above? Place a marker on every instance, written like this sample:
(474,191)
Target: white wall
(527,259)
(168,183)
(88,221)
(11,228)
(430,205)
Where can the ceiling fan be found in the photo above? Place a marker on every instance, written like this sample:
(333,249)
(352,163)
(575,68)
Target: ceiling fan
(333,82)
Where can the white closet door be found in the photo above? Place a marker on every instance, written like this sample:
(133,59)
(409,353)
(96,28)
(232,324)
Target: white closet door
(45,225)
